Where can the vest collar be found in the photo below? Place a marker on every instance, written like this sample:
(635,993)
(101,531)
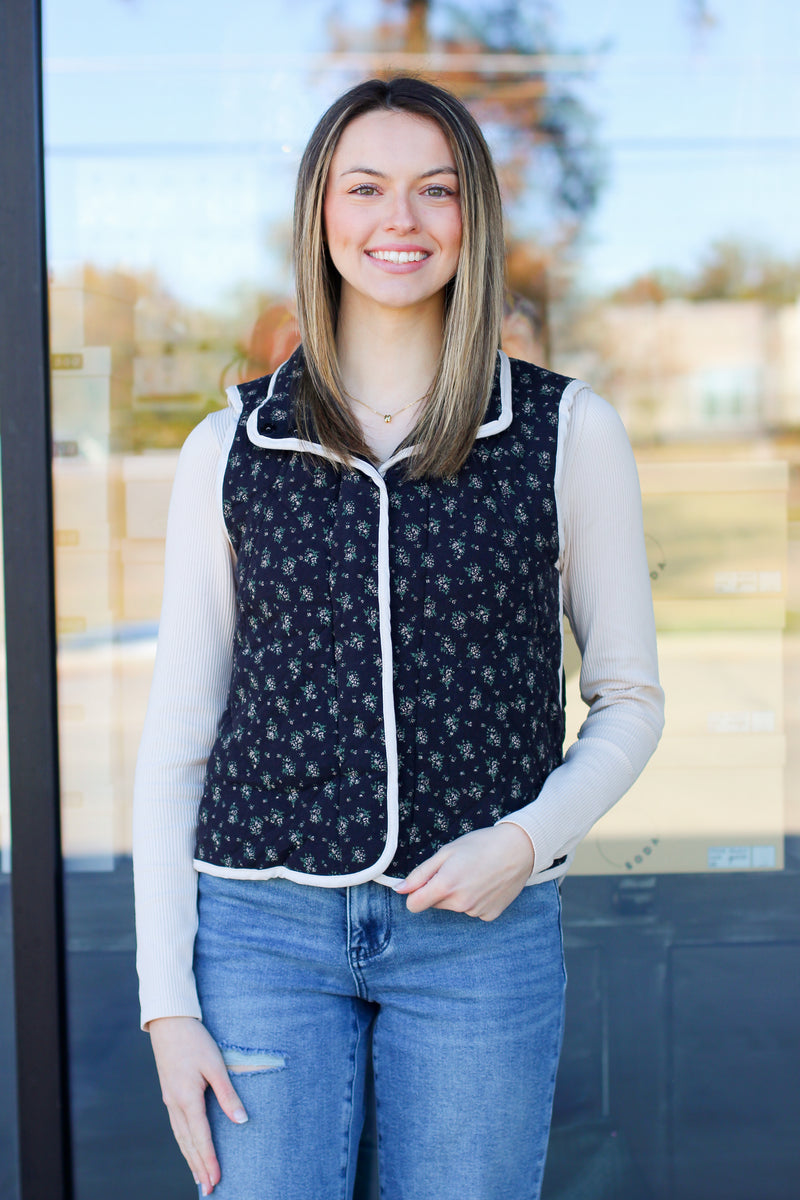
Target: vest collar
(271,424)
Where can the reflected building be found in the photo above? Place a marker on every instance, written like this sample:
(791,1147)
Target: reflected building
(685,369)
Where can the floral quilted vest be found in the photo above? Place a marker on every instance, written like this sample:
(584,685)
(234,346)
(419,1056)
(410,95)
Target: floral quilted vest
(397,671)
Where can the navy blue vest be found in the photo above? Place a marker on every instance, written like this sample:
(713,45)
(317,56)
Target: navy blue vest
(397,675)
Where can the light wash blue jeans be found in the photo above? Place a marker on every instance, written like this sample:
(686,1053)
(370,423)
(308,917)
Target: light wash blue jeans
(465,1016)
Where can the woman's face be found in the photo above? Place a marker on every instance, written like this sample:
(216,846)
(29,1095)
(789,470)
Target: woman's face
(392,211)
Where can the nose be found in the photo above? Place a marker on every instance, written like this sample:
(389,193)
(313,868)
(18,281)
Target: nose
(401,216)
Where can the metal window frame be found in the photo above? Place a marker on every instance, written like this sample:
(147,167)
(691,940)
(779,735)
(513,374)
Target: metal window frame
(36,877)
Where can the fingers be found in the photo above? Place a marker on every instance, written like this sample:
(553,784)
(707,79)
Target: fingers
(416,882)
(189,1061)
(449,889)
(228,1099)
(420,874)
(433,895)
(437,888)
(448,893)
(479,874)
(193,1135)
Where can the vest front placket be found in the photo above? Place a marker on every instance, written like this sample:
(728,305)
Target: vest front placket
(347,600)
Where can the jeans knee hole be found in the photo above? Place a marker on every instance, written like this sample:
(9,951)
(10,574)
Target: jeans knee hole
(251,1062)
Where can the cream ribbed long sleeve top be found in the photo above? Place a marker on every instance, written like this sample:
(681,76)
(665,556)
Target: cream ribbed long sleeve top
(606,596)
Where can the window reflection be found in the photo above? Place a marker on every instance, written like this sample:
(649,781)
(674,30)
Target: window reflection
(717,540)
(630,158)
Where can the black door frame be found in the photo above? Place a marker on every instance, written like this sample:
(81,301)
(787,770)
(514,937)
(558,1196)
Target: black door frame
(36,877)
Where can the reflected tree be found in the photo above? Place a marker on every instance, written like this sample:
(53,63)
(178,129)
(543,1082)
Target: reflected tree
(734,269)
(730,269)
(502,59)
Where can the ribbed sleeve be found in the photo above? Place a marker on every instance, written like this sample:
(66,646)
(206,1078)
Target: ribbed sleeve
(188,694)
(606,591)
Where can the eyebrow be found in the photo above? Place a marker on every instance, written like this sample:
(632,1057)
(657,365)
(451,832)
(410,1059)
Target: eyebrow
(381,175)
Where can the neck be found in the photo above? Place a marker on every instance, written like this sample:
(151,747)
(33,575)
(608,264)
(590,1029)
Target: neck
(388,357)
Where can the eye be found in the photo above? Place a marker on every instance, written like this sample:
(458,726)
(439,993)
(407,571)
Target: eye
(364,189)
(438,191)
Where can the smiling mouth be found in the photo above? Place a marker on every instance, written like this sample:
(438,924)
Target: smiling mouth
(399,256)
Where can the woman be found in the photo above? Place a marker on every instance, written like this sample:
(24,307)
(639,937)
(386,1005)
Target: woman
(354,740)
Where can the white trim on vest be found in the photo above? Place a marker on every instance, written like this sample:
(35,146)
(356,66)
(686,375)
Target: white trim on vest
(376,474)
(573,388)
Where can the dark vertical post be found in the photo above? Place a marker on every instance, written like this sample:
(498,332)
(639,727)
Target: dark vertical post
(36,883)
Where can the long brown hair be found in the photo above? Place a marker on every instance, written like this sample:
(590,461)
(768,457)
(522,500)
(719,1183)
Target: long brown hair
(446,429)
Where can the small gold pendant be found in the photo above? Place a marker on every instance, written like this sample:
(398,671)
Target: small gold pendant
(388,418)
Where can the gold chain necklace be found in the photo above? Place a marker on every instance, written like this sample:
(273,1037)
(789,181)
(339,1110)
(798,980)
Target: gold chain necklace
(386,416)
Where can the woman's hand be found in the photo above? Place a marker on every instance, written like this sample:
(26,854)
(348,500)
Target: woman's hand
(188,1061)
(478,874)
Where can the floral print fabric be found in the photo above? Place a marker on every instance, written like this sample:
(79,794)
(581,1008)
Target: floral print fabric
(319,765)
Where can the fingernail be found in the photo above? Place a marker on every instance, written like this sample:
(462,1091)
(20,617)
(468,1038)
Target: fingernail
(206,1190)
(240,1116)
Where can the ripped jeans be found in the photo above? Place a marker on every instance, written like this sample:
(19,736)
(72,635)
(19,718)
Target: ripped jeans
(465,1018)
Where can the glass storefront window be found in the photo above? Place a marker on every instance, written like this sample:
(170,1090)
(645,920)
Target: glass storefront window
(648,161)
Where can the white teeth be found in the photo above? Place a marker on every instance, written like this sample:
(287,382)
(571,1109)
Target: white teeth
(398,256)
